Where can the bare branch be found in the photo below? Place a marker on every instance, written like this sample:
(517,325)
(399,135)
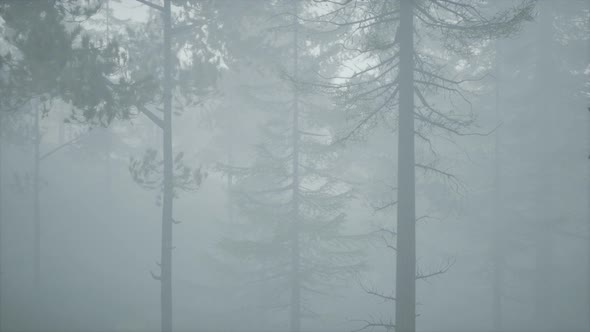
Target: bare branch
(368,324)
(443,269)
(380,295)
(155,119)
(385,206)
(151,4)
(50,152)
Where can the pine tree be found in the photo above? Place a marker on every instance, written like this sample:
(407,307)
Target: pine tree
(193,80)
(401,74)
(292,202)
(48,55)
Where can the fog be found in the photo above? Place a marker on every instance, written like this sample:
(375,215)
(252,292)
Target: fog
(294,165)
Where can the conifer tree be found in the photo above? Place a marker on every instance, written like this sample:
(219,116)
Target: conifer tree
(396,86)
(290,199)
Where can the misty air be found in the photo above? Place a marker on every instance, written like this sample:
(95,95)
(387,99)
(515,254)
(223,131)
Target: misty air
(294,165)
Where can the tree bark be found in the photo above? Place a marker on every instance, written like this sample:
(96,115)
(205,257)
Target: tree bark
(588,144)
(1,217)
(405,283)
(295,303)
(230,178)
(547,213)
(167,204)
(498,259)
(36,194)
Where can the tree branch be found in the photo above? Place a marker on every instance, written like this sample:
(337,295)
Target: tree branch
(151,4)
(49,153)
(155,119)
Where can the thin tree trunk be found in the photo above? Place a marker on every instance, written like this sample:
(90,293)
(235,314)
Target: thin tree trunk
(108,140)
(546,212)
(295,305)
(498,221)
(405,283)
(108,168)
(1,219)
(166,263)
(230,180)
(36,194)
(588,192)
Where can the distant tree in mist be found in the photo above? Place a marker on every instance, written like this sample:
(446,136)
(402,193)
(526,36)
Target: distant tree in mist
(50,57)
(290,201)
(539,82)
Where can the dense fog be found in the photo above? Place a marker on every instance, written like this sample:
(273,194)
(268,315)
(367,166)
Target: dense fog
(294,165)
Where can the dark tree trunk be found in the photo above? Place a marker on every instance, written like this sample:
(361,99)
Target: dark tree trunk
(405,283)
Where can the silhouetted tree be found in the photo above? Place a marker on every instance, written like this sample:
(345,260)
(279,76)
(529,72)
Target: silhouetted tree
(401,73)
(170,174)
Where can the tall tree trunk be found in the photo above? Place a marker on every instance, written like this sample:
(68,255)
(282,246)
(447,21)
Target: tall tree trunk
(588,147)
(108,131)
(498,217)
(108,146)
(405,283)
(545,192)
(166,259)
(36,194)
(295,305)
(230,177)
(1,215)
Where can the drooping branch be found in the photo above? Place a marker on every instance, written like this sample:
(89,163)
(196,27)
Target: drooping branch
(376,293)
(384,206)
(151,4)
(422,276)
(155,119)
(68,143)
(370,116)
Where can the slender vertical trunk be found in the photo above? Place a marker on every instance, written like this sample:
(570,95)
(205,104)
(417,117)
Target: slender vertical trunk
(108,141)
(36,194)
(295,315)
(166,259)
(588,179)
(498,221)
(230,178)
(405,283)
(1,219)
(108,169)
(545,192)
